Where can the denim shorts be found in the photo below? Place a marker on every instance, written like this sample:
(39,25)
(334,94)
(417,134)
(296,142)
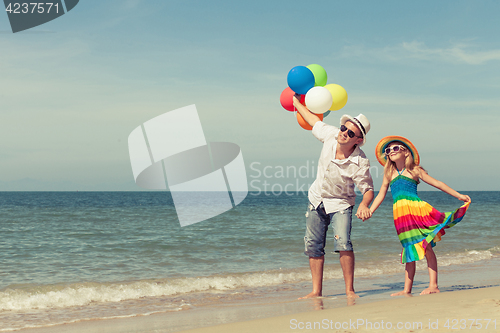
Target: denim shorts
(317,223)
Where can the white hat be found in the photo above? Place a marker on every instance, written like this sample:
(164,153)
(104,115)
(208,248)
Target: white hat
(361,121)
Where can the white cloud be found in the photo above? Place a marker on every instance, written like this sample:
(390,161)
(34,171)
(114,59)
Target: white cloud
(458,53)
(423,100)
(132,4)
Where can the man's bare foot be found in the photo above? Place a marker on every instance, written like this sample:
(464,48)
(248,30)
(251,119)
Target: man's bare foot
(311,295)
(430,290)
(351,294)
(401,293)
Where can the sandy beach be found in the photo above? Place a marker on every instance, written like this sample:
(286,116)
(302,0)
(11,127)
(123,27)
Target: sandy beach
(433,313)
(475,310)
(469,301)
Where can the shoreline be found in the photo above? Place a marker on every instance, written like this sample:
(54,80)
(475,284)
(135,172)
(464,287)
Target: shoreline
(442,312)
(269,305)
(471,309)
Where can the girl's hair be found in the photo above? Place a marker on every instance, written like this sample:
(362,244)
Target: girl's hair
(410,165)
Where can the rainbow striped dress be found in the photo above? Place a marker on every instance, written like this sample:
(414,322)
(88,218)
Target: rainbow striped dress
(417,223)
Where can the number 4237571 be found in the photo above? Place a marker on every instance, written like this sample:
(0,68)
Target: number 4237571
(455,324)
(32,8)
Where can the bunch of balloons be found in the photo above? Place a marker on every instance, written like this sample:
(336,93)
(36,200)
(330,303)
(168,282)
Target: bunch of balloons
(316,95)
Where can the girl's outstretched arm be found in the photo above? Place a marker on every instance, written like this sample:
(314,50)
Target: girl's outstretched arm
(381,195)
(440,185)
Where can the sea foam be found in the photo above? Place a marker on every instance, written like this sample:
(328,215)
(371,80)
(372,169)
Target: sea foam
(80,294)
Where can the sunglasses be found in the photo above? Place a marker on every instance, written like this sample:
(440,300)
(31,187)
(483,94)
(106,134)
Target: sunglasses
(395,149)
(350,133)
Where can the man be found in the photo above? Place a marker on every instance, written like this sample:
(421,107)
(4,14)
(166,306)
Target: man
(342,164)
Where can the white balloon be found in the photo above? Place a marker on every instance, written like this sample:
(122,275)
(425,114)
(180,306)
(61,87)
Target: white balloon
(318,99)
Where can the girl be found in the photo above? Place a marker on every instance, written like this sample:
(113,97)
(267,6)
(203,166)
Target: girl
(418,224)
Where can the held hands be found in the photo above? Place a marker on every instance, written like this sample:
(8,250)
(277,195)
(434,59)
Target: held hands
(363,213)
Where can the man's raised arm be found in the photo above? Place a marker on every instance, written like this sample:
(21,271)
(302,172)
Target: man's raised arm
(308,116)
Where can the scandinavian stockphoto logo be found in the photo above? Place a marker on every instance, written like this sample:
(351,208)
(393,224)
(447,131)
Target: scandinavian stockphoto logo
(25,15)
(204,179)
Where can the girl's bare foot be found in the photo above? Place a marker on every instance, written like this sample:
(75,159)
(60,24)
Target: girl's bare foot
(351,294)
(430,290)
(311,295)
(401,293)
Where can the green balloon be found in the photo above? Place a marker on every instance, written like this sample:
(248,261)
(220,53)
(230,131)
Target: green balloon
(319,75)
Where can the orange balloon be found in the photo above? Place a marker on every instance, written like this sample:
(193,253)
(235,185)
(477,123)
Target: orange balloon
(304,123)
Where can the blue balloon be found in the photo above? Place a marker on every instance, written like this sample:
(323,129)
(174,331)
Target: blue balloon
(326,113)
(300,79)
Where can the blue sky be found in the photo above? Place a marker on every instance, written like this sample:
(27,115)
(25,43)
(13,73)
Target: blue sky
(73,89)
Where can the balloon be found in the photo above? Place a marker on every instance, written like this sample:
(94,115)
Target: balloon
(286,99)
(304,123)
(318,100)
(319,75)
(300,79)
(339,96)
(326,113)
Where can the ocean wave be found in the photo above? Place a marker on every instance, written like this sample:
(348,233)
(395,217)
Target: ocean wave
(81,294)
(61,296)
(393,265)
(464,258)
(495,249)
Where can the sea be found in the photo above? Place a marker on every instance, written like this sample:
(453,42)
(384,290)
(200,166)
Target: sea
(68,257)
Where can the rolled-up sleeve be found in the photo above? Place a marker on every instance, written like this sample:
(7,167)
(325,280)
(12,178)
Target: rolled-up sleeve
(322,131)
(362,178)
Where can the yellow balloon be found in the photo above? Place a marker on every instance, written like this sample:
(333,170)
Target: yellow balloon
(339,96)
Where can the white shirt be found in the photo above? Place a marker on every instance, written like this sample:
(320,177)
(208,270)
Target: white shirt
(335,179)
